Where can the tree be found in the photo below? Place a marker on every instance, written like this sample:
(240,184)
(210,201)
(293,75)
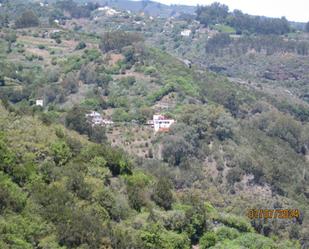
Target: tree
(212,14)
(116,40)
(176,150)
(136,185)
(107,200)
(76,120)
(70,83)
(61,152)
(27,19)
(163,195)
(81,228)
(88,74)
(224,126)
(76,183)
(217,42)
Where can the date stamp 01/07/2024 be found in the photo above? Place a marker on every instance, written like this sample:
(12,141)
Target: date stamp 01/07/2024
(273,213)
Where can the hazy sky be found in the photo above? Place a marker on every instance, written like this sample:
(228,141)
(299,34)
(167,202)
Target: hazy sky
(293,10)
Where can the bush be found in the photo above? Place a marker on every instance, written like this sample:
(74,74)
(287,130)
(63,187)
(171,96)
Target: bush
(128,81)
(11,197)
(236,222)
(175,240)
(11,37)
(80,45)
(208,240)
(61,152)
(224,233)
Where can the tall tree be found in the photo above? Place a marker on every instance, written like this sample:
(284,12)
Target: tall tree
(27,19)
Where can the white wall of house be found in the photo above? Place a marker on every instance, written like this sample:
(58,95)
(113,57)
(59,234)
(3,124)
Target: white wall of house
(39,102)
(162,123)
(186,32)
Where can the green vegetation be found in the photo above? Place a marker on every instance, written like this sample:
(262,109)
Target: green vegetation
(217,13)
(238,142)
(117,40)
(27,19)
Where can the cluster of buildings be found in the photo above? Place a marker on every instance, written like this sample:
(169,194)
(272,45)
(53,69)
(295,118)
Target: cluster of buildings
(109,11)
(159,123)
(96,118)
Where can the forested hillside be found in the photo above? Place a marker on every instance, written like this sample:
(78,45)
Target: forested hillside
(235,85)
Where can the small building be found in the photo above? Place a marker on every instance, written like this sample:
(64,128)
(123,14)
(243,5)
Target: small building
(186,32)
(94,117)
(188,63)
(162,123)
(39,102)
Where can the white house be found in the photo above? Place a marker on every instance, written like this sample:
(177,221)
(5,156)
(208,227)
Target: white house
(39,102)
(161,123)
(186,32)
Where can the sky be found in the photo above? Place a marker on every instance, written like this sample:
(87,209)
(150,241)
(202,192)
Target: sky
(293,10)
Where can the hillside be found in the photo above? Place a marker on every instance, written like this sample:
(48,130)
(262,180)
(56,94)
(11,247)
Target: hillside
(240,140)
(60,191)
